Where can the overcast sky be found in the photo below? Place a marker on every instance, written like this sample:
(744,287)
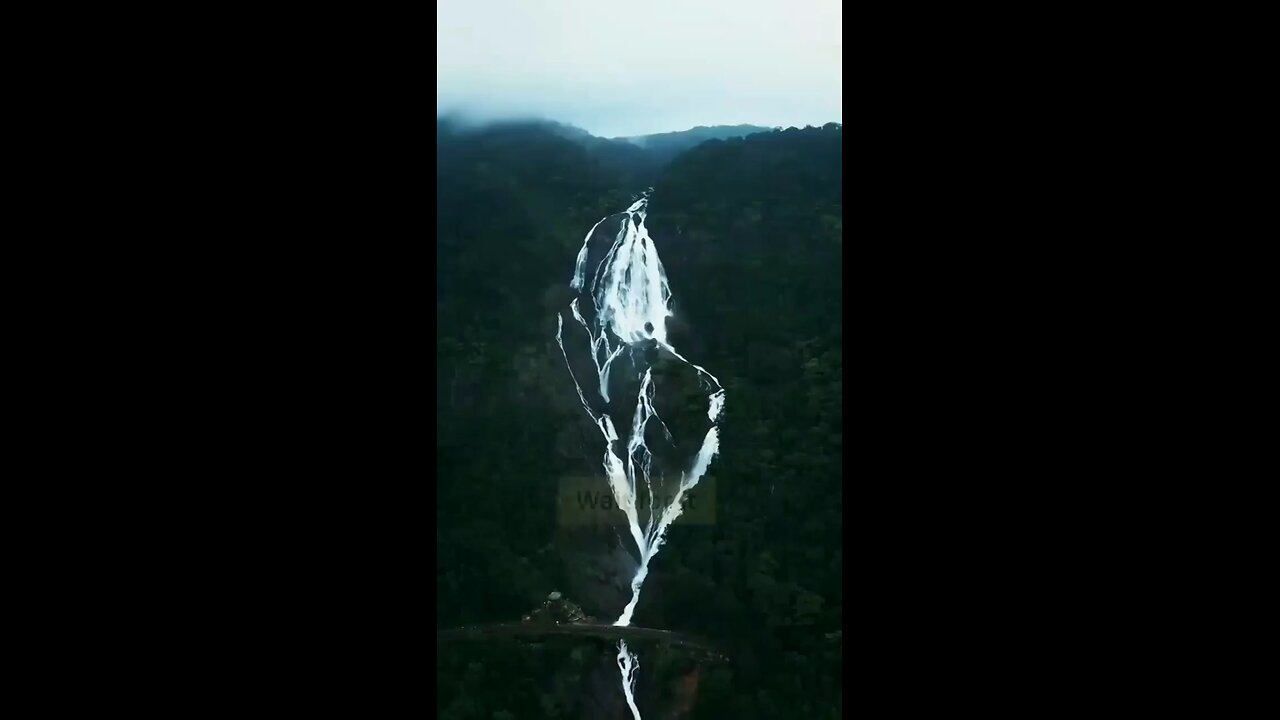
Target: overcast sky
(646,66)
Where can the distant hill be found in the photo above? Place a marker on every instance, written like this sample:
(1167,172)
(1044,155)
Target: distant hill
(685,139)
(636,160)
(640,158)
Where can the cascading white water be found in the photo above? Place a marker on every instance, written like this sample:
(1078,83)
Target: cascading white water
(626,301)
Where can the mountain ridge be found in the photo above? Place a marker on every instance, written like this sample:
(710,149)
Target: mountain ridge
(699,132)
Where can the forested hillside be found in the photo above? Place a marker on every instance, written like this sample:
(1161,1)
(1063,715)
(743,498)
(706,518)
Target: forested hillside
(750,232)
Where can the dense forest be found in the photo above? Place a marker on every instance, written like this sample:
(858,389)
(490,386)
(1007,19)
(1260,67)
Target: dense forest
(750,232)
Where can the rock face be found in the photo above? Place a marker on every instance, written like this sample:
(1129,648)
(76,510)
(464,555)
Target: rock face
(556,609)
(597,568)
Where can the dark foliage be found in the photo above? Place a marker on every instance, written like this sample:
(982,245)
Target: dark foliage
(750,231)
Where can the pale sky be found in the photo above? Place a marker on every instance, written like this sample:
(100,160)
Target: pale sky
(646,66)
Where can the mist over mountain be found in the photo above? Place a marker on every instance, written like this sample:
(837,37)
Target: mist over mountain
(765,62)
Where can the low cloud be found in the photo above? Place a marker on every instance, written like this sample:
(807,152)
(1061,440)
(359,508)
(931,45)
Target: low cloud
(619,69)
